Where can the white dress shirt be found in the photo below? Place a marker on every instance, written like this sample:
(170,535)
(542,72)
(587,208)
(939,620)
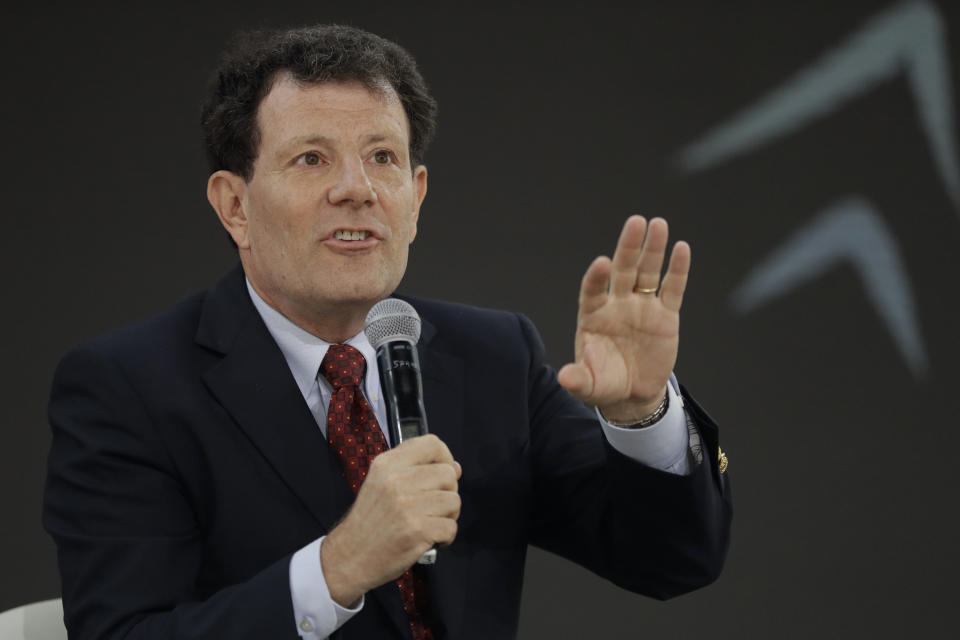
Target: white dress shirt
(665,445)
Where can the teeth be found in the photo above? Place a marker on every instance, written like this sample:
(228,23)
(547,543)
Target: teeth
(343,234)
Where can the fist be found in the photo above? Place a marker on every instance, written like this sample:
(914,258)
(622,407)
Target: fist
(408,503)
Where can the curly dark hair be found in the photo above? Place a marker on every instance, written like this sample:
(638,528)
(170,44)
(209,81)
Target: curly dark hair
(312,55)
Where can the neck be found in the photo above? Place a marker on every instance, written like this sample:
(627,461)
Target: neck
(331,323)
(335,328)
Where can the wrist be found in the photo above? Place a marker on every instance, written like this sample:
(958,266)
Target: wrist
(340,577)
(637,414)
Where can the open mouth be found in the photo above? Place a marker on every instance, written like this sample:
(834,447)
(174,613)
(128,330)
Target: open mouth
(345,234)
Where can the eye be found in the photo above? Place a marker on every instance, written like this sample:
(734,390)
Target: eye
(311,158)
(382,157)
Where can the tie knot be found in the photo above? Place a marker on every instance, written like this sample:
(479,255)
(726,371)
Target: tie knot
(343,366)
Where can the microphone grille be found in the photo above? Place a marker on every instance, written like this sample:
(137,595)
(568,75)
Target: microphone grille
(392,319)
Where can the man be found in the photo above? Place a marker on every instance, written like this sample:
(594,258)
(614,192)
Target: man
(199,485)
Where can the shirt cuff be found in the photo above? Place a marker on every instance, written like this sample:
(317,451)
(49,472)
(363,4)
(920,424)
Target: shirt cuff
(663,445)
(315,612)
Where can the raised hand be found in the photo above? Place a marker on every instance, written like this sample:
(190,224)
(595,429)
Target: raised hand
(628,324)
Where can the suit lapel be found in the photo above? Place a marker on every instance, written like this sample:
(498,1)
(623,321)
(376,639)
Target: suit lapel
(443,394)
(254,384)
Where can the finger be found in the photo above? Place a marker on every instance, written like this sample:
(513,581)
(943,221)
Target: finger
(593,287)
(675,282)
(647,274)
(627,256)
(577,378)
(424,449)
(442,530)
(440,504)
(431,477)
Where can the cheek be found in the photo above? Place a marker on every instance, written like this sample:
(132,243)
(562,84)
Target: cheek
(397,199)
(413,229)
(281,220)
(405,229)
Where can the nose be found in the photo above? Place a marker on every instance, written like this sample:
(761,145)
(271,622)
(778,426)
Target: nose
(352,186)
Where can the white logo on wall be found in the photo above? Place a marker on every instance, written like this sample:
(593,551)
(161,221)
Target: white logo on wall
(908,38)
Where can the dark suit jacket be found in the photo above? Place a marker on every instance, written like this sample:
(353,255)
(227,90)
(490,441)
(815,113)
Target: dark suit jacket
(186,469)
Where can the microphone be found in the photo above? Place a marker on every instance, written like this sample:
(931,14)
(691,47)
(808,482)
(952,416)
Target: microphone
(393,328)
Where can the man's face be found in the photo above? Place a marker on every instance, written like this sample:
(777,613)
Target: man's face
(333,203)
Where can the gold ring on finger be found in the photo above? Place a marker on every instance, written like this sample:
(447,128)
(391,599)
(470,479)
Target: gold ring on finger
(638,289)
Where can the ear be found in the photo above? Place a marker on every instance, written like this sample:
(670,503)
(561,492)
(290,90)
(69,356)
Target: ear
(225,191)
(419,193)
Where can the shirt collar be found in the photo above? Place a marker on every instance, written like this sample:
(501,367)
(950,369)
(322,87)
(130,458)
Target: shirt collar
(302,350)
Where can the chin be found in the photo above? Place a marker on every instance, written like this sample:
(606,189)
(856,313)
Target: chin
(357,283)
(360,294)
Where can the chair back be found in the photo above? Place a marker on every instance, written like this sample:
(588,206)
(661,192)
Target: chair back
(35,621)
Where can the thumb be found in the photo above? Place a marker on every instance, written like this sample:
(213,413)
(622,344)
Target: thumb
(577,379)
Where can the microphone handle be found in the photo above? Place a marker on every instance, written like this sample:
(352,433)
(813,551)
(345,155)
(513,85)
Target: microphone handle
(402,388)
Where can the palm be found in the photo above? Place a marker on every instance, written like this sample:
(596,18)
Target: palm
(626,342)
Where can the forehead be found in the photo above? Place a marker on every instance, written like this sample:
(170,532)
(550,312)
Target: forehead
(333,109)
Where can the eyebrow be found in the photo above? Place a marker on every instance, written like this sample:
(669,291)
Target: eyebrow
(324,140)
(302,140)
(382,137)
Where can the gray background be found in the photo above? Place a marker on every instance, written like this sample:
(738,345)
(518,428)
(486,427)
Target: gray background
(556,122)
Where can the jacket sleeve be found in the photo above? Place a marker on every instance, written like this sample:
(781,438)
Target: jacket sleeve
(129,542)
(646,530)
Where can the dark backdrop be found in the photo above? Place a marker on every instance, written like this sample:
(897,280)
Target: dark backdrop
(833,380)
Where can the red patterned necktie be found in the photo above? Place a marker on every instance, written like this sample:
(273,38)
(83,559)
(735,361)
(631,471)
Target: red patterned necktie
(355,436)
